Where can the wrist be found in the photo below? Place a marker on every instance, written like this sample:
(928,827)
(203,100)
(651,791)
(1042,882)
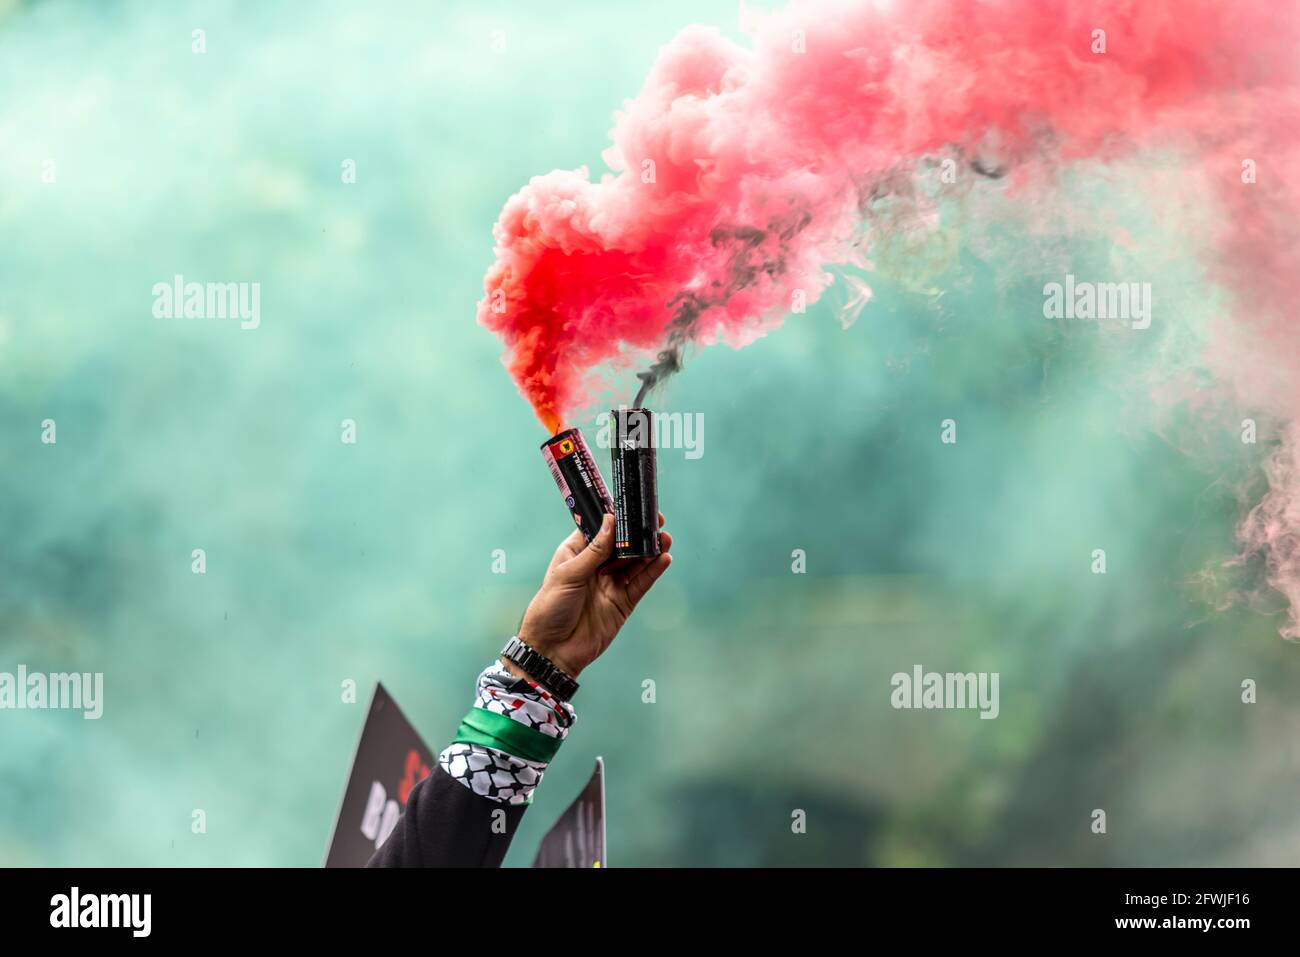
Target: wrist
(547,649)
(526,660)
(515,670)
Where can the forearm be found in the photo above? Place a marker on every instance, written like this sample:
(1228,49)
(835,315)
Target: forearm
(447,825)
(466,812)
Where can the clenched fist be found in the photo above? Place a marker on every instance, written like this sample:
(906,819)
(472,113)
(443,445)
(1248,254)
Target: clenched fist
(580,607)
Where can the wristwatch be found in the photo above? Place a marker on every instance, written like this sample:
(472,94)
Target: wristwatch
(541,668)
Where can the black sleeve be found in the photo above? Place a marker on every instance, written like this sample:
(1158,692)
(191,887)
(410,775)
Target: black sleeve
(445,824)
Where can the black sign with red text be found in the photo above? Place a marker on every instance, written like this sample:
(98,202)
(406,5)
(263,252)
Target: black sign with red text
(391,759)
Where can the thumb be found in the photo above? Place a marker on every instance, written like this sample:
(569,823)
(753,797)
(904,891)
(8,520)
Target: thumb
(584,564)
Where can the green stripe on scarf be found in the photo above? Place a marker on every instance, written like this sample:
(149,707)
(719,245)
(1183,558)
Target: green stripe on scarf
(492,730)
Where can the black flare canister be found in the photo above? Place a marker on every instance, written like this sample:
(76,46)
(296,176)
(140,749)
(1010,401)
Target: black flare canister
(636,497)
(579,480)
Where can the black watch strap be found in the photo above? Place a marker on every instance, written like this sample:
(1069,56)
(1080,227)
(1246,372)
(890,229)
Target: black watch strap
(541,668)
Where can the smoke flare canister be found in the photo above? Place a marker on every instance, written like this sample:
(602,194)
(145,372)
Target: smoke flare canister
(636,496)
(579,480)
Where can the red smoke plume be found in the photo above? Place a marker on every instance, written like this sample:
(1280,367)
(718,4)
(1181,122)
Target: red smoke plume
(739,173)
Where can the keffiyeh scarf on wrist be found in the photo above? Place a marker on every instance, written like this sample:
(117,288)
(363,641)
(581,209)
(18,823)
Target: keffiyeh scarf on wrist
(506,741)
